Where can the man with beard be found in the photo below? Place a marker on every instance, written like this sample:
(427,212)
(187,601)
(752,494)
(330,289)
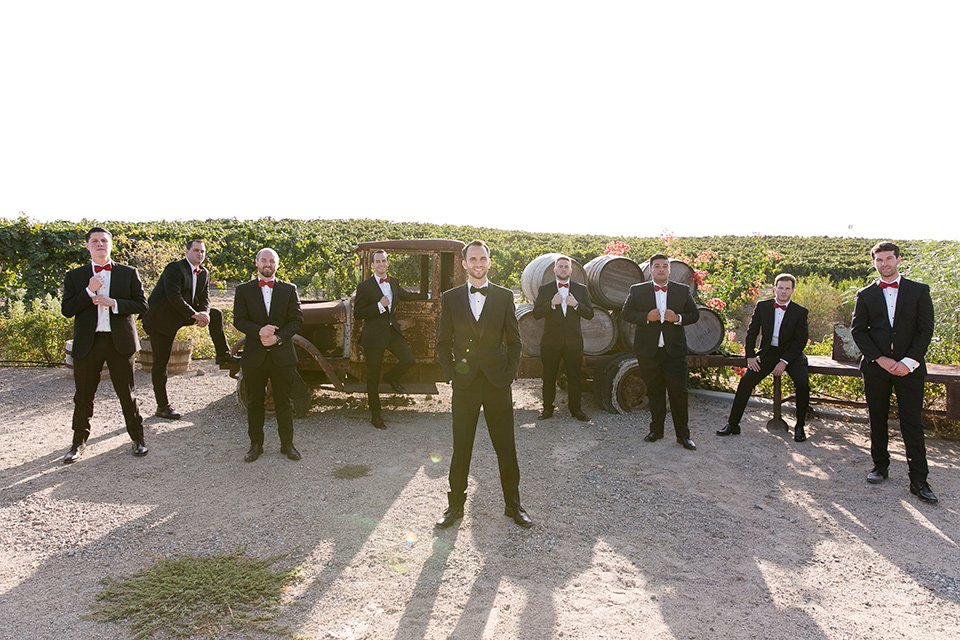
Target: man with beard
(267,311)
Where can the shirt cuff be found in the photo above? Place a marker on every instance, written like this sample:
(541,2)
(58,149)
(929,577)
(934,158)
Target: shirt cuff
(911,364)
(92,294)
(381,307)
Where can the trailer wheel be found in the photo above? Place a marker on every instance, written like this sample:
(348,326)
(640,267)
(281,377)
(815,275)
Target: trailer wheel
(618,388)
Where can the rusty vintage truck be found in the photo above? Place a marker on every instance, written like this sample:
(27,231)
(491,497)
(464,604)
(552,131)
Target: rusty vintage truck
(330,357)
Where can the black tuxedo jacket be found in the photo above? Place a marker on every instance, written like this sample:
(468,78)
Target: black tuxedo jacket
(250,315)
(376,326)
(912,327)
(172,303)
(466,345)
(125,288)
(794,331)
(560,330)
(639,303)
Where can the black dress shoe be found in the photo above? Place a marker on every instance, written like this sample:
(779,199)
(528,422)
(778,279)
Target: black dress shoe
(378,423)
(687,443)
(450,516)
(519,516)
(167,413)
(652,437)
(228,359)
(140,449)
(546,414)
(74,454)
(580,415)
(729,431)
(799,434)
(922,490)
(256,450)
(877,475)
(397,387)
(290,451)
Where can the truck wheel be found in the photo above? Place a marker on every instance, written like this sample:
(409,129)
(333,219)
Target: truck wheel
(619,388)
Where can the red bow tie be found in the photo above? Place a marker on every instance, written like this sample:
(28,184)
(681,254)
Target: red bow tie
(197,271)
(659,288)
(97,268)
(563,285)
(884,285)
(387,279)
(266,283)
(777,305)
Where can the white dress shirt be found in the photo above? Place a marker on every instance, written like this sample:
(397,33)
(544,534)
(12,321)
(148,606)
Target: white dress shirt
(564,291)
(103,313)
(890,297)
(477,300)
(387,291)
(267,293)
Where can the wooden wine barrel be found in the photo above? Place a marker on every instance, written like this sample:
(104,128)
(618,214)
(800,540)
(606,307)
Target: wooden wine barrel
(179,356)
(680,272)
(531,330)
(609,279)
(600,333)
(68,359)
(706,334)
(627,331)
(539,272)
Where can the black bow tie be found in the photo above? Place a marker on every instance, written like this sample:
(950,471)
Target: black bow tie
(481,290)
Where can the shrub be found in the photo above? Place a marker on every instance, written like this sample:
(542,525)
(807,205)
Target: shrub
(34,331)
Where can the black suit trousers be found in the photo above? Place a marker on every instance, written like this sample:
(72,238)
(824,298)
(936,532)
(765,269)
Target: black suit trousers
(551,367)
(281,381)
(86,375)
(664,374)
(497,404)
(162,345)
(797,370)
(401,350)
(877,387)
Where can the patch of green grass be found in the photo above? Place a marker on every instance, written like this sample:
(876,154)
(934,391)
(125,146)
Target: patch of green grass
(351,472)
(197,596)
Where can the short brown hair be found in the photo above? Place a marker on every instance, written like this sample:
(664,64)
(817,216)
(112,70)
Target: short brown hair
(476,243)
(886,245)
(785,276)
(659,256)
(97,230)
(374,254)
(562,257)
(191,242)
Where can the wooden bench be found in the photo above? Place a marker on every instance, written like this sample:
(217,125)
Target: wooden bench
(945,374)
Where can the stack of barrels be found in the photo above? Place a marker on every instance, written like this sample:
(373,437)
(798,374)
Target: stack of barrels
(608,279)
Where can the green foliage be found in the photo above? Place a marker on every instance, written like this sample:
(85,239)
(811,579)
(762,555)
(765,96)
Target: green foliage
(829,303)
(190,596)
(34,330)
(938,266)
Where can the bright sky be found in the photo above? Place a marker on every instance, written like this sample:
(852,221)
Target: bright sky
(701,117)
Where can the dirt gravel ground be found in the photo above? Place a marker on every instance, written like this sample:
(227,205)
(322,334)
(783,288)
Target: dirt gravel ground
(752,536)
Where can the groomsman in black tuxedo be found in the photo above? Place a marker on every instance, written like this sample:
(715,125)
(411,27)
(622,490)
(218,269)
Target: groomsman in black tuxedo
(181,299)
(892,326)
(783,330)
(561,304)
(102,298)
(661,309)
(267,311)
(478,346)
(376,304)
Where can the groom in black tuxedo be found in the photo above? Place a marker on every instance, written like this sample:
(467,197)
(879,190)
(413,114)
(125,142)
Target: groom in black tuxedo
(376,305)
(783,330)
(102,298)
(892,326)
(478,345)
(561,304)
